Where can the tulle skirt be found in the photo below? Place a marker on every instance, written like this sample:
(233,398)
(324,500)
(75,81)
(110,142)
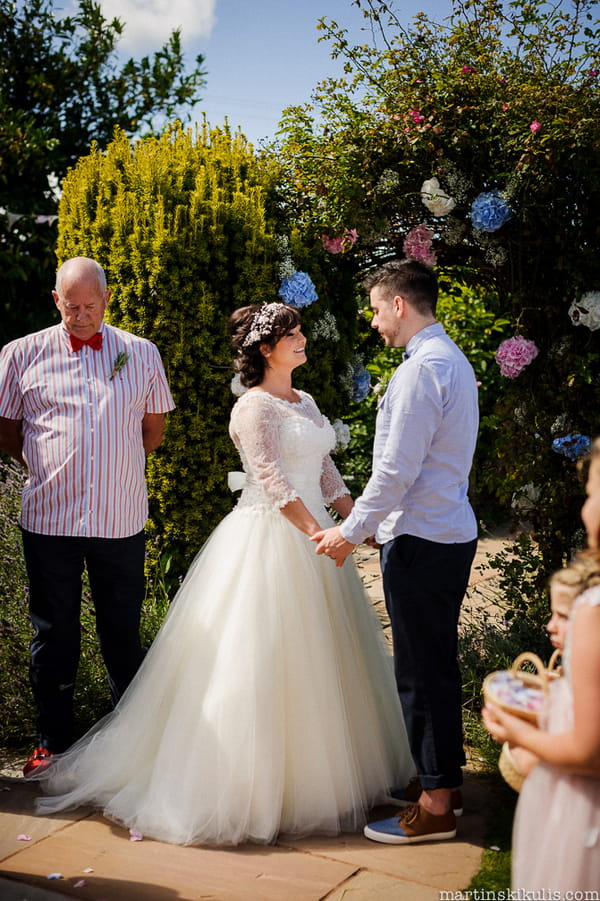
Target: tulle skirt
(265,706)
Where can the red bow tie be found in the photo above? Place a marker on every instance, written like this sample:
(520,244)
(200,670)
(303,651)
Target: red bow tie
(95,342)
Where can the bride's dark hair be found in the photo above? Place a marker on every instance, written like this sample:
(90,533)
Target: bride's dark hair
(252,326)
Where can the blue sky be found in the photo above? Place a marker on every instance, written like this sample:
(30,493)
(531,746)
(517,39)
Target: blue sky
(260,55)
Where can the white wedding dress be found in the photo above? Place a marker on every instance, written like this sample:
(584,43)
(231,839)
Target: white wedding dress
(266,704)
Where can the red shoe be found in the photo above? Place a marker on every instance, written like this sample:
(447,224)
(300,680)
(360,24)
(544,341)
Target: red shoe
(38,761)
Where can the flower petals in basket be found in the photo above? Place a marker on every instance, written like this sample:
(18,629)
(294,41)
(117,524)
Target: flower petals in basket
(521,692)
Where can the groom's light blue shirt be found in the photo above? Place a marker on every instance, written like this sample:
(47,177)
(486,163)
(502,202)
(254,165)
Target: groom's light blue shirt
(425,437)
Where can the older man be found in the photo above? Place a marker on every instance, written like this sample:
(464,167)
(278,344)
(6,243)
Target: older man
(81,404)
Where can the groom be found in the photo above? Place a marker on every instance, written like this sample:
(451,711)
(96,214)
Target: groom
(416,504)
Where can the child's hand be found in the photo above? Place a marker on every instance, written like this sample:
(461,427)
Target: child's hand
(504,726)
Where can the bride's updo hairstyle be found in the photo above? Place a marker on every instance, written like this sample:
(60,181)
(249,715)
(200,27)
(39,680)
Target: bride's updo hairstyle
(252,326)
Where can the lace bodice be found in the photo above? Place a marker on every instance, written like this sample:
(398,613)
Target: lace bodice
(284,449)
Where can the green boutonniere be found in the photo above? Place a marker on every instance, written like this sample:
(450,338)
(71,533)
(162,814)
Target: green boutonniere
(120,361)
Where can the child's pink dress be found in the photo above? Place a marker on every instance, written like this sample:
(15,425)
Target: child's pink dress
(556,836)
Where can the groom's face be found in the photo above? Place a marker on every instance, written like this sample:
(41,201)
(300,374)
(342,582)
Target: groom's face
(386,318)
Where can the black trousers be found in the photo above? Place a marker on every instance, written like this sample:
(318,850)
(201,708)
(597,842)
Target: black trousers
(55,566)
(424,584)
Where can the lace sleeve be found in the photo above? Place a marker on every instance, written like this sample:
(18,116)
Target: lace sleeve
(332,484)
(255,431)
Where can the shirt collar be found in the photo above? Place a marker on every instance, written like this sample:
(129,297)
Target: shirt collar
(430,331)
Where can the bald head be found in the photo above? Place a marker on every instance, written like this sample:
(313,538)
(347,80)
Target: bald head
(81,296)
(80,269)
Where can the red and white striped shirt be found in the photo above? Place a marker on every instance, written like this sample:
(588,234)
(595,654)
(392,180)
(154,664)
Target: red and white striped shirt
(82,430)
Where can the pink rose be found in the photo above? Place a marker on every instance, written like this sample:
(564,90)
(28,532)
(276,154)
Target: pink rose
(535,126)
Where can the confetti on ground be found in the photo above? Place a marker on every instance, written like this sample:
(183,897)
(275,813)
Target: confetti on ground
(54,876)
(80,883)
(494,848)
(5,788)
(88,870)
(23,838)
(135,835)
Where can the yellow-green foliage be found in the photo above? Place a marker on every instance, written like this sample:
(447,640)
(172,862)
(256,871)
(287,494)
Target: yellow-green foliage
(185,226)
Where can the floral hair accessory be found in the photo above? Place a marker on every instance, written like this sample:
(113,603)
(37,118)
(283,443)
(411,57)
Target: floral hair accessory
(514,355)
(489,212)
(435,199)
(262,323)
(573,445)
(586,310)
(298,291)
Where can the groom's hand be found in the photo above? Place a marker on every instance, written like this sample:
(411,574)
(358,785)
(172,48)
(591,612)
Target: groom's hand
(332,543)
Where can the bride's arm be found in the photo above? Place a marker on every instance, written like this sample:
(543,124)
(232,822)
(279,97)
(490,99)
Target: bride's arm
(256,428)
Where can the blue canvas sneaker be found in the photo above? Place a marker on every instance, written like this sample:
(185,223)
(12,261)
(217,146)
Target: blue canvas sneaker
(415,824)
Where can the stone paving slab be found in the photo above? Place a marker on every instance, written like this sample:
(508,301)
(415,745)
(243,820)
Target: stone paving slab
(343,868)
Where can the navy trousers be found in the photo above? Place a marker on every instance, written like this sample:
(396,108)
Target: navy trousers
(424,584)
(55,566)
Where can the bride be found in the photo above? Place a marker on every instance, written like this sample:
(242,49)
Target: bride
(266,704)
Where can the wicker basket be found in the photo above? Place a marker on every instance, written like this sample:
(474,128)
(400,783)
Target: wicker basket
(509,770)
(529,688)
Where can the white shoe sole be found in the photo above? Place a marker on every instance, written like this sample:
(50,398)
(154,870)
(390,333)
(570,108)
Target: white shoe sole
(388,839)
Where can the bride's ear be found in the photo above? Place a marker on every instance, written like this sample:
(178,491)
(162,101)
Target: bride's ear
(265,350)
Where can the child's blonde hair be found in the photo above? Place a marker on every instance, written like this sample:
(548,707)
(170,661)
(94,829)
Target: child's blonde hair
(582,572)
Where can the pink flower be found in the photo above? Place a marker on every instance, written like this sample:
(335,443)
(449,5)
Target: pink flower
(332,245)
(504,107)
(467,70)
(535,126)
(593,73)
(514,355)
(416,115)
(342,242)
(417,245)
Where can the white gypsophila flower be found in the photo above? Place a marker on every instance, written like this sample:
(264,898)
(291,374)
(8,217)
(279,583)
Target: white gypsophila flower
(236,385)
(586,311)
(326,328)
(521,415)
(561,425)
(347,379)
(458,184)
(525,500)
(283,245)
(388,182)
(454,231)
(435,199)
(286,269)
(494,253)
(560,347)
(342,435)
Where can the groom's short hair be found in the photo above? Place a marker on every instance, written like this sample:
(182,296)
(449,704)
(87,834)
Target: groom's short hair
(411,279)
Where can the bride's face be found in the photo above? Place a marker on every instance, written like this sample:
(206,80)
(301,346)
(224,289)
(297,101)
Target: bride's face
(289,351)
